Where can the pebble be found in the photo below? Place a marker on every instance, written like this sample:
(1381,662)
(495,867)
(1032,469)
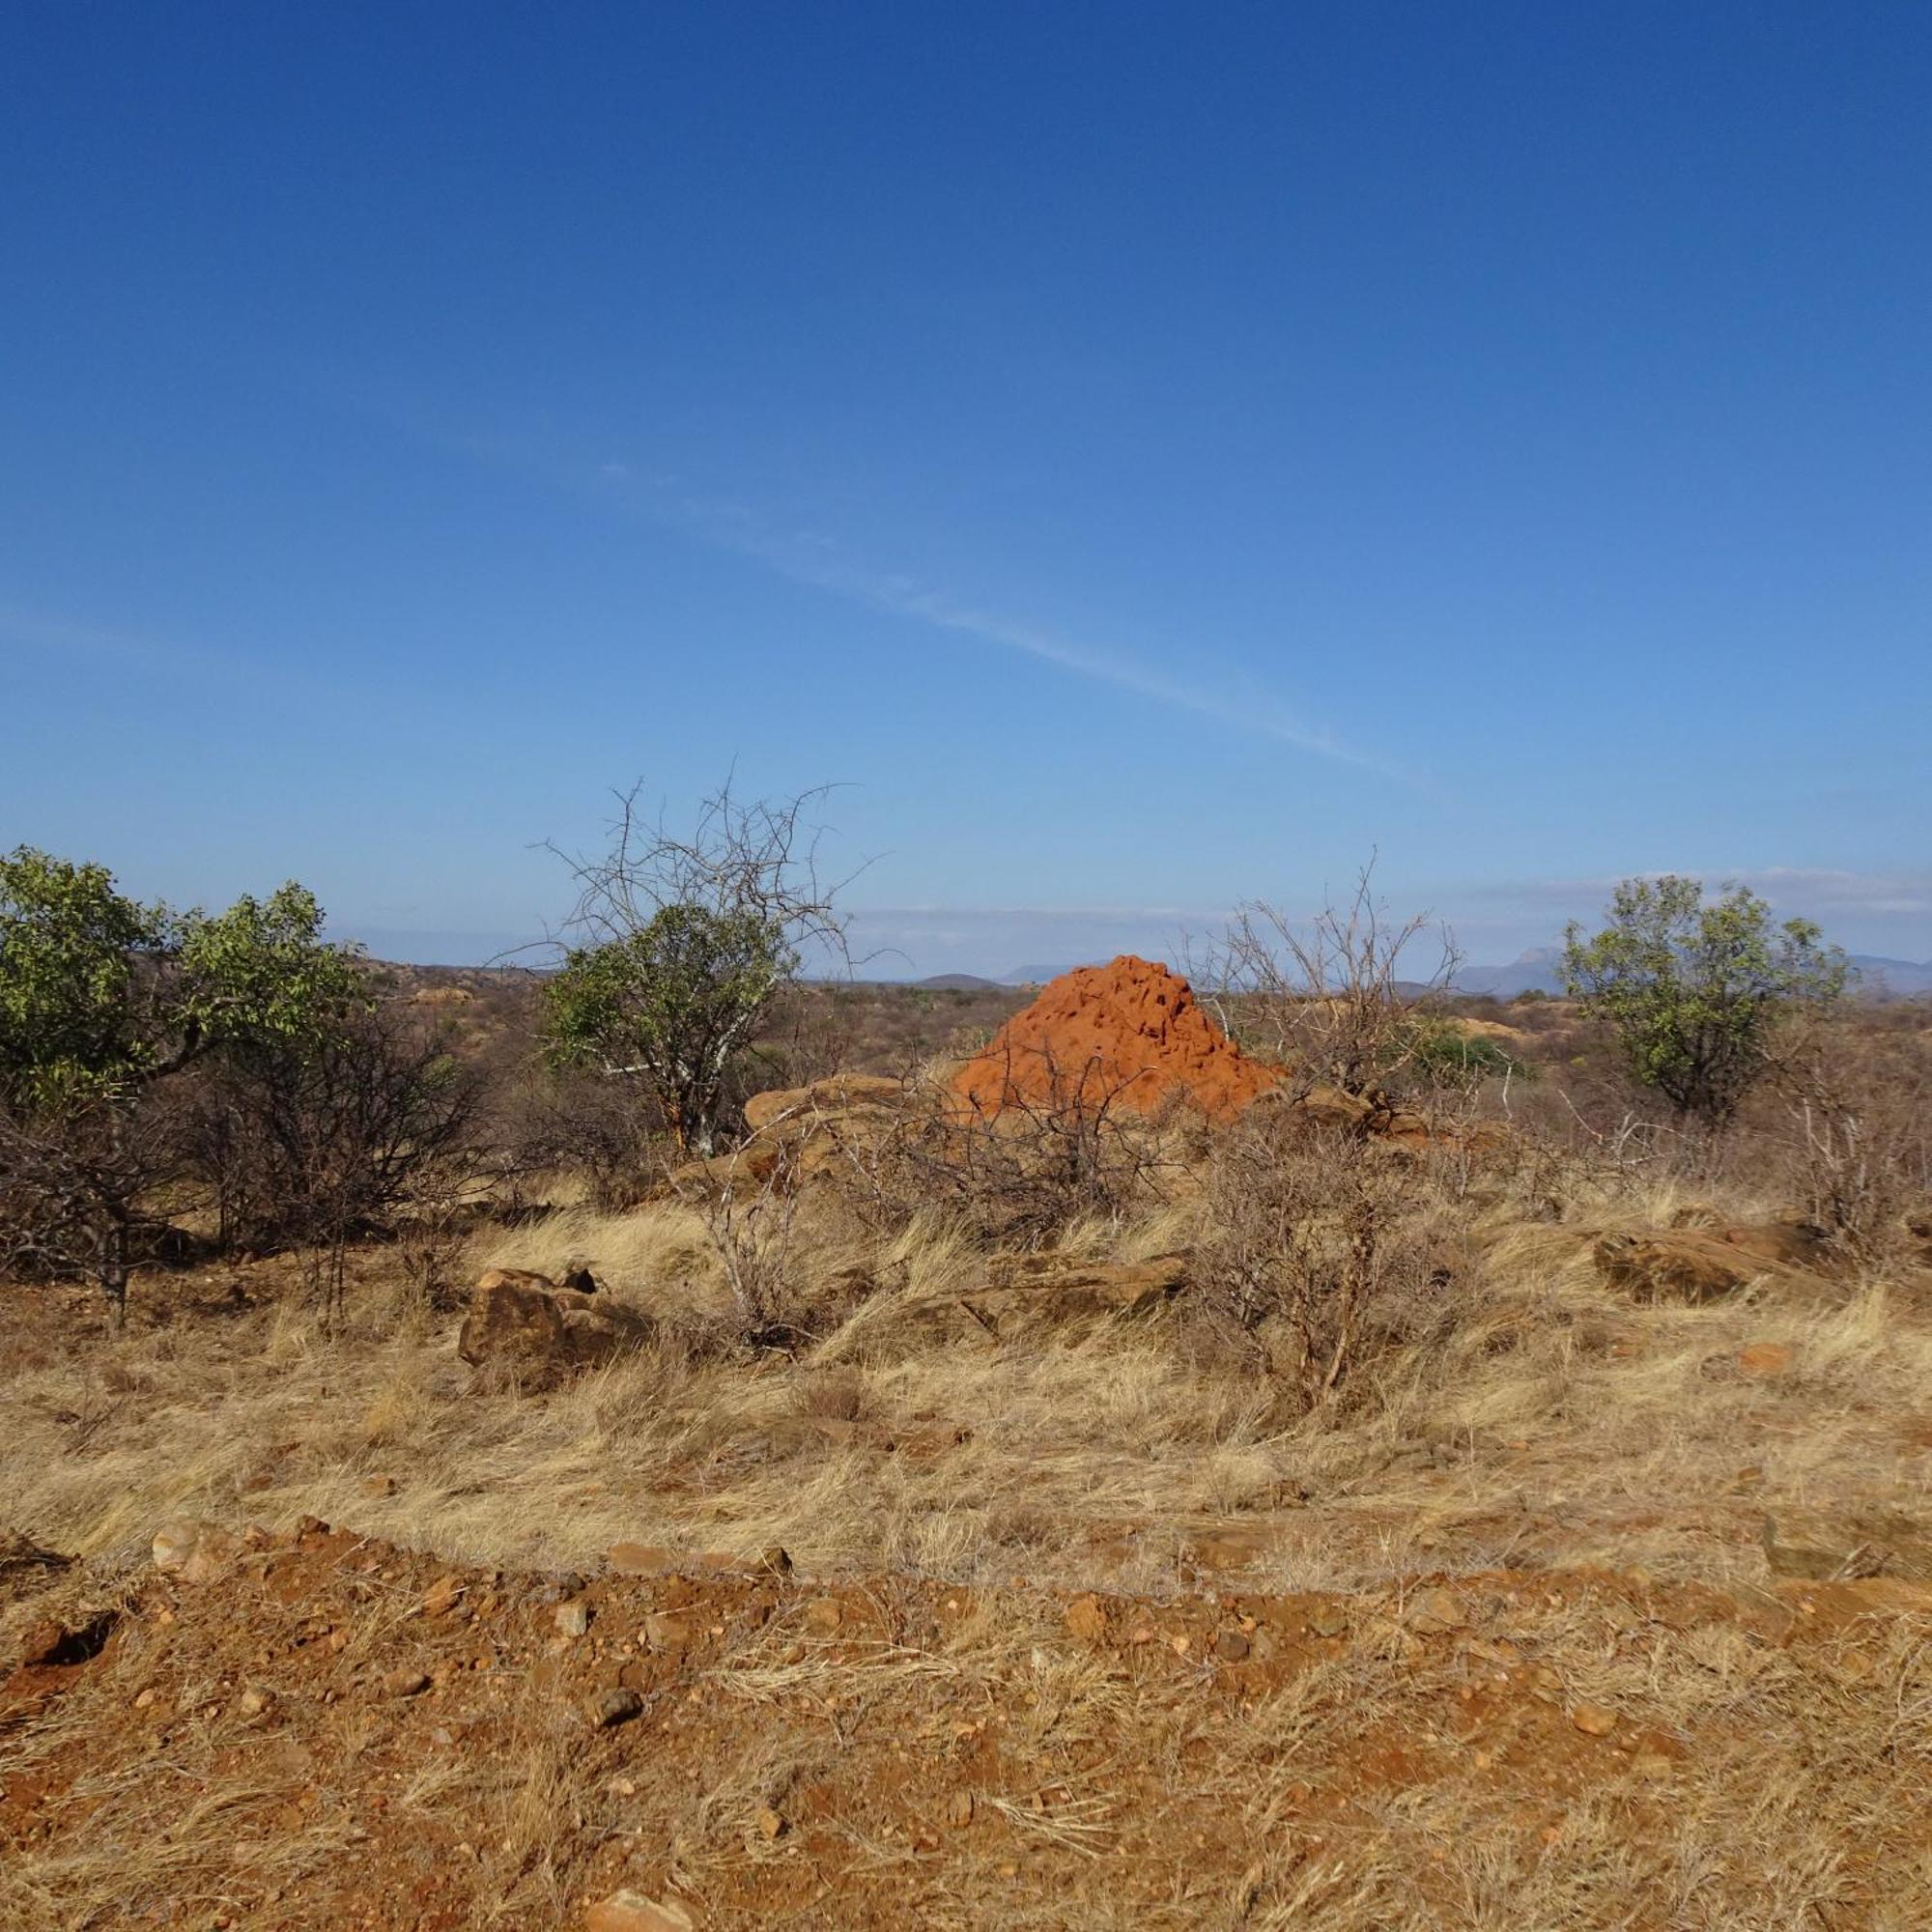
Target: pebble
(616,1706)
(1593,1720)
(403,1684)
(573,1619)
(633,1912)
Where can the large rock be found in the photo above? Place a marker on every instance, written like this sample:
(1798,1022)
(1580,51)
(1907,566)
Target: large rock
(1834,1545)
(1027,1291)
(1702,1263)
(842,1094)
(540,1334)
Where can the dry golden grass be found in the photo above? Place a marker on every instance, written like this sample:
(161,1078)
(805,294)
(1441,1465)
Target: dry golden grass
(1554,1425)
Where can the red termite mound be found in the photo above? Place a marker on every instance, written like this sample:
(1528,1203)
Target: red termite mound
(1129,1035)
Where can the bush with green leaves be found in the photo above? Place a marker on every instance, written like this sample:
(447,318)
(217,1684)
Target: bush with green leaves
(104,1001)
(679,946)
(674,1002)
(1694,990)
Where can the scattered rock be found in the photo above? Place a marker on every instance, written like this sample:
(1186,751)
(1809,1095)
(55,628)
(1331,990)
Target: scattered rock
(1593,1720)
(1704,1264)
(512,1278)
(573,1619)
(823,1615)
(1087,1619)
(959,1811)
(540,1334)
(615,1706)
(1232,1646)
(771,1825)
(254,1701)
(403,1682)
(633,1912)
(1436,1611)
(1827,1545)
(840,1094)
(774,1562)
(1057,1288)
(442,1596)
(639,1559)
(197,1553)
(668,1630)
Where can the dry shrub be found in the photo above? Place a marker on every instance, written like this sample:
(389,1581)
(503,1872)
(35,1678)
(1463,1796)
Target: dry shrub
(1023,1175)
(1327,1249)
(1860,1135)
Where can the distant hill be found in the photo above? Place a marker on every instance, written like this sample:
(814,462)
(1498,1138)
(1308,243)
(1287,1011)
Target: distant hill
(958,982)
(1901,979)
(1533,972)
(1038,976)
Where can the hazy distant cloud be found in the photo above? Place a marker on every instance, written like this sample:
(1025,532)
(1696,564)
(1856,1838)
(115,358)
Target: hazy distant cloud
(1790,887)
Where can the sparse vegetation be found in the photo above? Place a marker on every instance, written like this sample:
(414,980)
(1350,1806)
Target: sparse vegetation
(1429,1495)
(1694,990)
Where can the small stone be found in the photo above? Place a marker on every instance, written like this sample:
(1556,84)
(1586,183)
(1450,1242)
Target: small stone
(771,1825)
(573,1619)
(197,1553)
(254,1701)
(633,1912)
(1087,1619)
(959,1811)
(774,1562)
(638,1559)
(823,1616)
(1327,1620)
(1436,1611)
(616,1706)
(442,1596)
(668,1630)
(147,1699)
(1593,1720)
(403,1684)
(1232,1646)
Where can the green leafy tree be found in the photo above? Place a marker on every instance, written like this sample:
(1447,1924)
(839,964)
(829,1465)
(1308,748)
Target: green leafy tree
(1694,990)
(680,944)
(104,1000)
(674,1002)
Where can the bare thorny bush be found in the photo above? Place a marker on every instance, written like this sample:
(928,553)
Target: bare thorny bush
(1859,1129)
(1325,1250)
(1022,1175)
(1328,997)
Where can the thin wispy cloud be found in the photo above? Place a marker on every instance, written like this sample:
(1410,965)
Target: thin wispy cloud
(813,559)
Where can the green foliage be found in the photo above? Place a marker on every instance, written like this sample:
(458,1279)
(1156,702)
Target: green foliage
(1693,990)
(1444,1056)
(72,952)
(673,1001)
(102,1000)
(99,995)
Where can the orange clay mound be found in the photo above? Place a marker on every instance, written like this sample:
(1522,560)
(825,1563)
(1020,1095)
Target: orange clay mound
(1130,1034)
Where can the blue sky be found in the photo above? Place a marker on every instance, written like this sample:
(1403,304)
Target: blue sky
(1151,457)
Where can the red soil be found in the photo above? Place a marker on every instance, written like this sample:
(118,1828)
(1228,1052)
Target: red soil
(1130,1034)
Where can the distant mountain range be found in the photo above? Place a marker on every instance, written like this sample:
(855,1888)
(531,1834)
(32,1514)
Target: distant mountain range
(1540,971)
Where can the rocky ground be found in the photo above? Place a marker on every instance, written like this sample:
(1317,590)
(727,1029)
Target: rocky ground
(308,1728)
